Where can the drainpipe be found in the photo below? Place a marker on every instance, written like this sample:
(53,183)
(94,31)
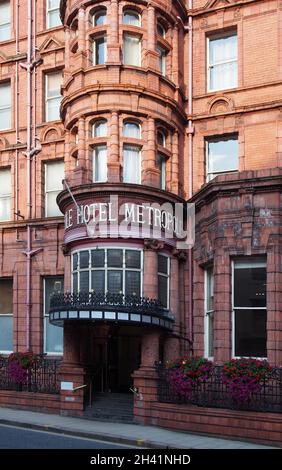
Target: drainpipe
(190,159)
(30,152)
(17,115)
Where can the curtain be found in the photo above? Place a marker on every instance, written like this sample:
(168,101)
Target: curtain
(223,62)
(5,21)
(132,50)
(5,106)
(131,165)
(100,164)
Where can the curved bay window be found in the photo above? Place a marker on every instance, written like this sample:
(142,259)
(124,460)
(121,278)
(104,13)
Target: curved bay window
(100,128)
(111,270)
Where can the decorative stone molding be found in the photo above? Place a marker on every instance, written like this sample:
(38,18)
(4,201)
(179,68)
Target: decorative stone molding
(152,244)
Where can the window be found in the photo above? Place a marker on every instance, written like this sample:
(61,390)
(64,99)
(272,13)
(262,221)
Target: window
(222,62)
(5,21)
(131,18)
(53,96)
(249,308)
(100,169)
(161,30)
(6,315)
(54,174)
(222,155)
(114,271)
(100,50)
(209,312)
(100,18)
(53,13)
(5,106)
(131,164)
(53,335)
(161,165)
(161,138)
(131,129)
(132,50)
(162,59)
(100,128)
(163,280)
(5,194)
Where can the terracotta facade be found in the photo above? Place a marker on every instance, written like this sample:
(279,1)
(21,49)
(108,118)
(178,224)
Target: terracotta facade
(238,214)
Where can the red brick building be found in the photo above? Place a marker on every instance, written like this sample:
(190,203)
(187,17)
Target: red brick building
(151,102)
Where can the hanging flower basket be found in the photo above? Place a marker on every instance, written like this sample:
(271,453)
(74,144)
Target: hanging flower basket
(245,377)
(19,364)
(187,374)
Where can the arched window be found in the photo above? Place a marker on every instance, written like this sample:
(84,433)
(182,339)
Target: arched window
(161,30)
(100,17)
(100,128)
(131,17)
(132,129)
(162,59)
(161,138)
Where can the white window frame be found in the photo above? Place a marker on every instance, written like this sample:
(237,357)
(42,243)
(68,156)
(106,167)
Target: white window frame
(8,195)
(2,351)
(208,312)
(7,23)
(162,59)
(161,27)
(209,66)
(162,167)
(46,319)
(162,133)
(95,154)
(94,128)
(51,10)
(131,11)
(250,264)
(167,276)
(137,124)
(47,99)
(210,176)
(46,192)
(106,268)
(5,108)
(95,39)
(99,12)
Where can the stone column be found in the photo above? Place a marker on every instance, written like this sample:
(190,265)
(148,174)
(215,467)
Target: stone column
(113,150)
(67,52)
(150,174)
(175,56)
(150,281)
(80,173)
(81,52)
(152,56)
(175,163)
(274,295)
(113,47)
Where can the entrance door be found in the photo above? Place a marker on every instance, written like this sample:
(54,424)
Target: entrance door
(124,354)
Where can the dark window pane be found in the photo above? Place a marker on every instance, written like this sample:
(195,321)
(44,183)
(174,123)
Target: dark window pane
(53,285)
(132,259)
(84,259)
(75,283)
(98,281)
(84,281)
(162,290)
(132,283)
(98,258)
(114,258)
(250,287)
(162,264)
(75,261)
(115,282)
(250,333)
(6,296)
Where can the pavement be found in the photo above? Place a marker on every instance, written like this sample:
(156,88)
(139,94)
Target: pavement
(129,434)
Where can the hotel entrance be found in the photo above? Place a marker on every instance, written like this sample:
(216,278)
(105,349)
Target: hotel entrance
(115,359)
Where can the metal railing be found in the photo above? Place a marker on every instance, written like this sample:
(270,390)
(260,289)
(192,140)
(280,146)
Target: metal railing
(41,377)
(215,393)
(93,300)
